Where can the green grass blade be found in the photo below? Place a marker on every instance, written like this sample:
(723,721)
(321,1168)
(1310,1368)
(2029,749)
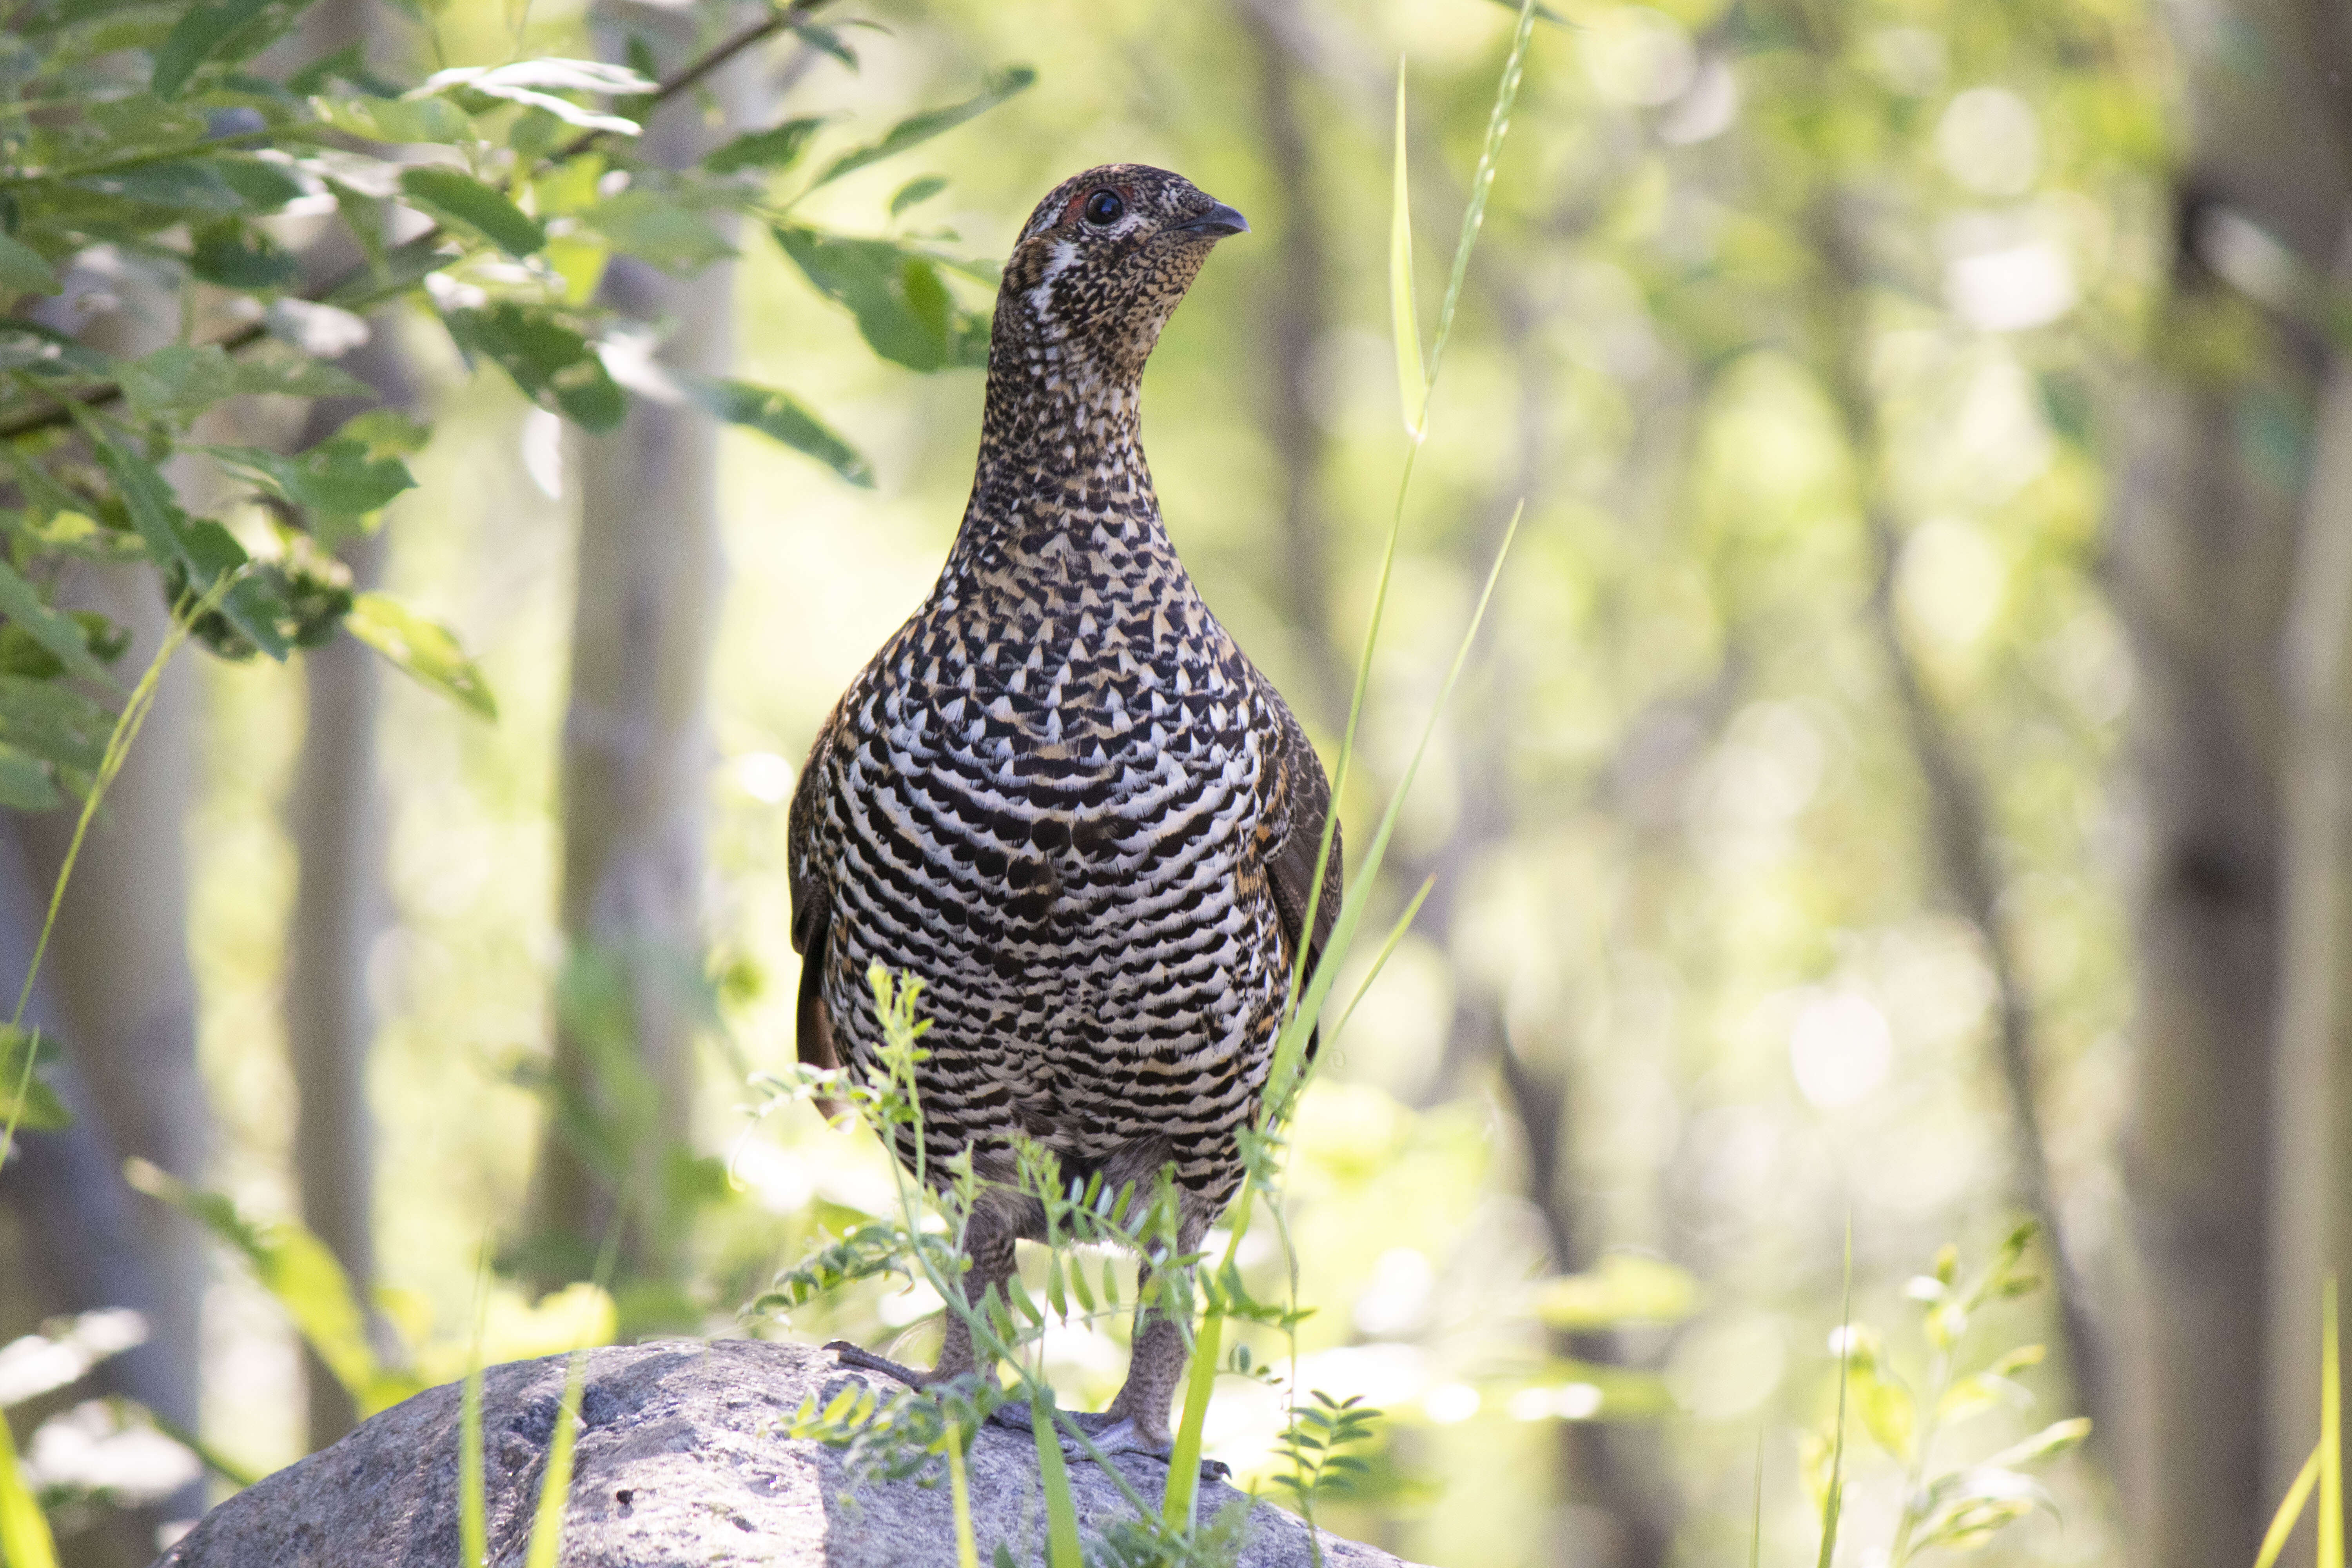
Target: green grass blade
(555,1487)
(1379,960)
(1062,1549)
(1176,1503)
(1498,125)
(473,1524)
(24,1539)
(960,1491)
(2290,1510)
(1283,1083)
(2331,1434)
(1413,381)
(1835,1502)
(1756,1520)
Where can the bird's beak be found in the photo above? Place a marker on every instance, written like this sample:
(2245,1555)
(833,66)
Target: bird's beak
(1217,222)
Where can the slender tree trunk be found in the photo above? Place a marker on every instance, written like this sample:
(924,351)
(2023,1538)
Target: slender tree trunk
(1298,318)
(119,992)
(636,741)
(2204,558)
(2311,1185)
(336,817)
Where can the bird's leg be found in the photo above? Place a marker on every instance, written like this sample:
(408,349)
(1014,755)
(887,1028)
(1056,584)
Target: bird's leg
(988,1246)
(1137,1421)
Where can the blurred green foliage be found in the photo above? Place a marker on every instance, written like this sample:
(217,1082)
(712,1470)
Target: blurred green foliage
(1750,271)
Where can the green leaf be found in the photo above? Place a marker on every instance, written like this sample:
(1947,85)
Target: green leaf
(186,185)
(60,632)
(549,359)
(21,269)
(916,191)
(781,418)
(26,1055)
(903,310)
(25,1538)
(778,147)
(219,29)
(658,228)
(45,351)
(177,380)
(53,722)
(457,197)
(25,786)
(915,129)
(147,498)
(236,255)
(1404,324)
(339,475)
(291,376)
(262,185)
(395,121)
(428,652)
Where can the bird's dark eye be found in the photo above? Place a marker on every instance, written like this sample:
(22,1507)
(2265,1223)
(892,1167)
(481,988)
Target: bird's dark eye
(1105,208)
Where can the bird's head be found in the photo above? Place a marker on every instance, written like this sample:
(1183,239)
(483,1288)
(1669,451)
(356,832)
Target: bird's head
(1100,266)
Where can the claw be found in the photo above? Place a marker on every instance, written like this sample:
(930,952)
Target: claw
(858,1356)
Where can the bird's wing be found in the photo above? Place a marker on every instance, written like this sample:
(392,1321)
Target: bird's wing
(812,896)
(1299,803)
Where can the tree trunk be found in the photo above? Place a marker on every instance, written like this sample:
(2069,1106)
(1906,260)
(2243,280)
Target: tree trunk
(2311,1186)
(2204,553)
(636,741)
(336,817)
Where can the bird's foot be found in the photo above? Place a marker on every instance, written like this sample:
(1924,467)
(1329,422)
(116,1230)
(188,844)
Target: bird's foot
(1109,1434)
(858,1356)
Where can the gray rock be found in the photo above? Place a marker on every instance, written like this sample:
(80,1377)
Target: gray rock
(680,1460)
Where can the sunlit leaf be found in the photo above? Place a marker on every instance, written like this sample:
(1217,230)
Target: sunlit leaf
(549,359)
(295,1266)
(429,652)
(395,120)
(659,228)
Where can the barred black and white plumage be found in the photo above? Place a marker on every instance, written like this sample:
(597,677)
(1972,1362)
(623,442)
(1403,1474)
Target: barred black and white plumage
(1061,795)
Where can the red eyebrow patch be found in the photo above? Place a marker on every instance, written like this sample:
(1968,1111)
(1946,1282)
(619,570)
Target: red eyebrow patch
(1070,211)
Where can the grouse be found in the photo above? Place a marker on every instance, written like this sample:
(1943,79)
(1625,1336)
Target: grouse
(1062,796)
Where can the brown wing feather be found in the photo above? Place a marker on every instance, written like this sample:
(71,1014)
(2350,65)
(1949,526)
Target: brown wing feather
(811,899)
(1301,801)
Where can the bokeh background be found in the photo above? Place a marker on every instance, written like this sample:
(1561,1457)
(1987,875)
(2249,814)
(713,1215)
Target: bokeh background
(1897,789)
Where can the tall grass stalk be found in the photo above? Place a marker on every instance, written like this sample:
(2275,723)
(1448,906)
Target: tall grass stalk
(555,1485)
(2324,1472)
(2331,1434)
(1306,998)
(959,1494)
(1835,1503)
(473,1522)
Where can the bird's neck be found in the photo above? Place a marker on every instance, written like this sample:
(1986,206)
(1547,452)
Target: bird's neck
(1061,475)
